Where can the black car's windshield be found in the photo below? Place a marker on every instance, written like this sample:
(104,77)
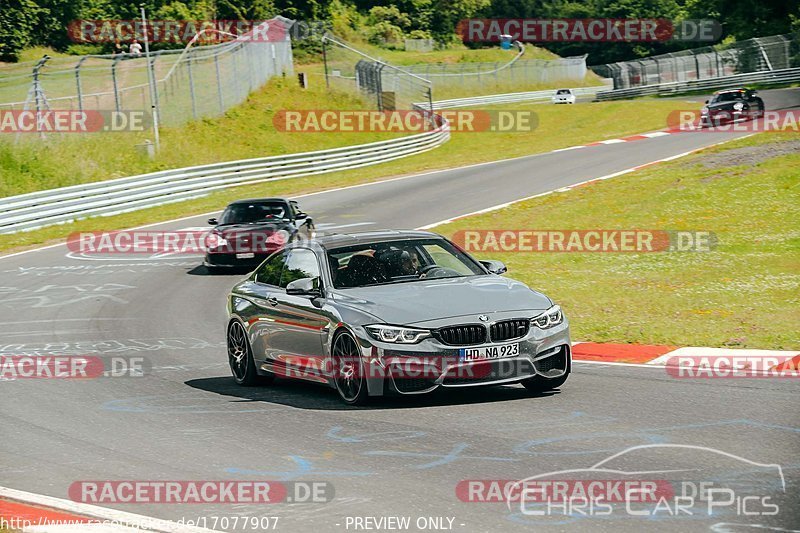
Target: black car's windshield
(727,97)
(252,212)
(398,262)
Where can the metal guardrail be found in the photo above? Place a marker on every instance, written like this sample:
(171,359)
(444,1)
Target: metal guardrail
(766,77)
(507,98)
(65,204)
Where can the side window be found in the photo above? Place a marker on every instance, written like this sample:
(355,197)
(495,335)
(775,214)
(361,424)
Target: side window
(296,211)
(269,273)
(302,263)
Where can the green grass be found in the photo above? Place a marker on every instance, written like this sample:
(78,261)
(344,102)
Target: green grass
(559,127)
(744,293)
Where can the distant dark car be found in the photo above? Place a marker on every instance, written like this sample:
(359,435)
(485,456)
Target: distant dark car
(732,105)
(249,231)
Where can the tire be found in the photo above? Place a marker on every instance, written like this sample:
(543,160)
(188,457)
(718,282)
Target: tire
(541,384)
(348,368)
(240,357)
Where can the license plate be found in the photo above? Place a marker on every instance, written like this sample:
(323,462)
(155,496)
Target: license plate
(245,256)
(489,352)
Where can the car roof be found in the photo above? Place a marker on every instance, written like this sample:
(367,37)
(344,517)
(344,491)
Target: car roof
(342,240)
(259,200)
(739,90)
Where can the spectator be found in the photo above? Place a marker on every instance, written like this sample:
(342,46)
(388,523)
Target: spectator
(135,48)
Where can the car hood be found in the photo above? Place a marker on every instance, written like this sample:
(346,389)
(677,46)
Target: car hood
(722,106)
(423,301)
(232,230)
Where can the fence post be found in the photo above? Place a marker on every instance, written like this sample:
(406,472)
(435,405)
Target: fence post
(155,102)
(219,85)
(191,85)
(78,83)
(325,60)
(114,81)
(379,85)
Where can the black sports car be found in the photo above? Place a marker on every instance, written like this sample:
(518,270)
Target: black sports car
(250,230)
(731,105)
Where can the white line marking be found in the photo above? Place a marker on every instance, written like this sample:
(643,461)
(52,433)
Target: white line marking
(327,227)
(656,134)
(613,141)
(608,176)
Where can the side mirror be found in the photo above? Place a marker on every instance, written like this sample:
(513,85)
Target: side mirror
(212,221)
(304,287)
(706,101)
(495,267)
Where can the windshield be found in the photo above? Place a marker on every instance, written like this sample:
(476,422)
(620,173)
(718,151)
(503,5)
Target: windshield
(563,91)
(399,262)
(249,213)
(728,97)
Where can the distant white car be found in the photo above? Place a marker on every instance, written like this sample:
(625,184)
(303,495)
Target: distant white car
(564,96)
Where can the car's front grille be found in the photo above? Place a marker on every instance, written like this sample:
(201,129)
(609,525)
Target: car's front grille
(463,335)
(509,329)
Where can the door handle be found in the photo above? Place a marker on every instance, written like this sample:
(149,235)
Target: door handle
(272,300)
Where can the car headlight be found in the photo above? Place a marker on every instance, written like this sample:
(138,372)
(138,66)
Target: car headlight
(215,240)
(396,334)
(704,111)
(738,106)
(550,318)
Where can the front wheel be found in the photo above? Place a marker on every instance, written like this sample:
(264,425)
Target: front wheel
(240,357)
(542,384)
(348,367)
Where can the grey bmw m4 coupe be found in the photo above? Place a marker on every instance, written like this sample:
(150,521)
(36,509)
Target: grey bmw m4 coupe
(392,312)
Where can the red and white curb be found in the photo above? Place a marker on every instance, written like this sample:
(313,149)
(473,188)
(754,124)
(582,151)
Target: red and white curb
(629,138)
(35,513)
(646,355)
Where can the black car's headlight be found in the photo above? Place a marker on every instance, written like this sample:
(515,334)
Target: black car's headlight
(215,240)
(397,334)
(548,319)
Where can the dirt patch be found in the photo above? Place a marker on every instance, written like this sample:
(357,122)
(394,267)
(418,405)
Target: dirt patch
(750,155)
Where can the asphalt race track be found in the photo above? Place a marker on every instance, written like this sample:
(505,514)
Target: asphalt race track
(187,420)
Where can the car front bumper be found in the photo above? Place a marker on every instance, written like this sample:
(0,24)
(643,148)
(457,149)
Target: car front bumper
(429,365)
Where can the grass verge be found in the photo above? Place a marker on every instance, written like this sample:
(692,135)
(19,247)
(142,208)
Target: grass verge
(744,294)
(558,127)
